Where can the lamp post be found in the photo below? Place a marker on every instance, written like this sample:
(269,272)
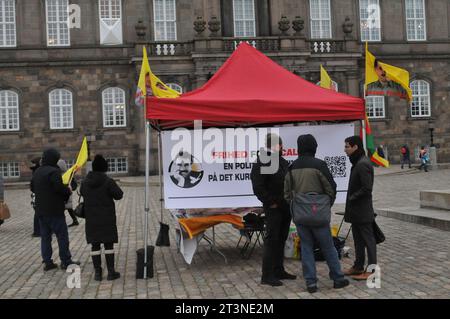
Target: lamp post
(431,129)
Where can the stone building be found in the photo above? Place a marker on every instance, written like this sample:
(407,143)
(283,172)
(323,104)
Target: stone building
(61,80)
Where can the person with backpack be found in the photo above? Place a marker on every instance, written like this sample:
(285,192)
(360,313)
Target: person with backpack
(424,159)
(308,174)
(405,156)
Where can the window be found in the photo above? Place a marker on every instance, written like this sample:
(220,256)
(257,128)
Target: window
(9,169)
(165,20)
(175,87)
(369,12)
(117,165)
(9,111)
(334,85)
(415,20)
(57,23)
(375,107)
(320,19)
(420,105)
(114,107)
(110,22)
(61,109)
(7,23)
(244,18)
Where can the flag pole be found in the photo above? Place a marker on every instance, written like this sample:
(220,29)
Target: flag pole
(363,122)
(147,195)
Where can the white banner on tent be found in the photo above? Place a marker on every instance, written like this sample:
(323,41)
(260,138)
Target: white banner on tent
(191,180)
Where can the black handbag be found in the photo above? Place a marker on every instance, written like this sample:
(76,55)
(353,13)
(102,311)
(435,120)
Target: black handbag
(378,234)
(79,210)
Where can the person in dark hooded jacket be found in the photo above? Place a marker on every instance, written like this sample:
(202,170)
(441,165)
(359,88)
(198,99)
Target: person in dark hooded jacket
(268,187)
(359,208)
(99,192)
(308,174)
(50,197)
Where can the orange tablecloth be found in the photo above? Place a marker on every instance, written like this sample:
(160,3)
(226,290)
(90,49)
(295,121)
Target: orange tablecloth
(196,225)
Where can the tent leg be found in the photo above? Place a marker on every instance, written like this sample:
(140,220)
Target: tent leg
(147,195)
(160,175)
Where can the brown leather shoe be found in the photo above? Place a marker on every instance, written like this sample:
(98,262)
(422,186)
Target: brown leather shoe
(363,276)
(353,271)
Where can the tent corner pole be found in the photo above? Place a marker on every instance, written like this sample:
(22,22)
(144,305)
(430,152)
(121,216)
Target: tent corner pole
(146,203)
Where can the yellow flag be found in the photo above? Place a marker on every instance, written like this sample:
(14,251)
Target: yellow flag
(148,79)
(325,80)
(385,79)
(81,160)
(145,70)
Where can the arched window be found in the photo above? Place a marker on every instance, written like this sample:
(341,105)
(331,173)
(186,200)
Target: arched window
(334,85)
(375,107)
(420,105)
(61,109)
(175,87)
(114,107)
(9,111)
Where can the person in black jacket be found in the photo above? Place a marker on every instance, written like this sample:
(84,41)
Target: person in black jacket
(269,189)
(99,192)
(50,197)
(35,164)
(359,209)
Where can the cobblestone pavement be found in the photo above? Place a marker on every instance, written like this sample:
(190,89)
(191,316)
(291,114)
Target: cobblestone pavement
(414,260)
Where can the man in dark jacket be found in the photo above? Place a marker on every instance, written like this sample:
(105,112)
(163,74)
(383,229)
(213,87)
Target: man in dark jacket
(268,188)
(99,192)
(359,209)
(50,197)
(35,164)
(311,175)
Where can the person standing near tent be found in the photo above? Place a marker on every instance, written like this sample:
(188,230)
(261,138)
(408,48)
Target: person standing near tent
(308,174)
(359,208)
(405,156)
(51,195)
(69,204)
(99,192)
(35,164)
(268,188)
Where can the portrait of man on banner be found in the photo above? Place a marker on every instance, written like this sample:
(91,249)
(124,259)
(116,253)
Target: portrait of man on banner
(385,86)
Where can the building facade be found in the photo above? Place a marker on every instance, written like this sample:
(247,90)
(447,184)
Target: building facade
(69,68)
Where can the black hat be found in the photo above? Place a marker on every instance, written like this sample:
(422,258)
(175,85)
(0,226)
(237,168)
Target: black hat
(50,157)
(99,164)
(307,145)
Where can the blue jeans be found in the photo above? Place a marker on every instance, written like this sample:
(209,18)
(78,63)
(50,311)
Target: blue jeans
(58,226)
(308,236)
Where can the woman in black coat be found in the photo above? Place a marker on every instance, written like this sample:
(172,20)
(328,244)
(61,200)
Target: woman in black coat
(99,192)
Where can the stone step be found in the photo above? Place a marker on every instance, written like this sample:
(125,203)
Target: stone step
(437,199)
(424,216)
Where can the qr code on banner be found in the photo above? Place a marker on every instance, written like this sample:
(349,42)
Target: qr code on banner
(337,165)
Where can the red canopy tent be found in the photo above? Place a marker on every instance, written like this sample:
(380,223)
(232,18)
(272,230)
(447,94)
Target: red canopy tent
(251,89)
